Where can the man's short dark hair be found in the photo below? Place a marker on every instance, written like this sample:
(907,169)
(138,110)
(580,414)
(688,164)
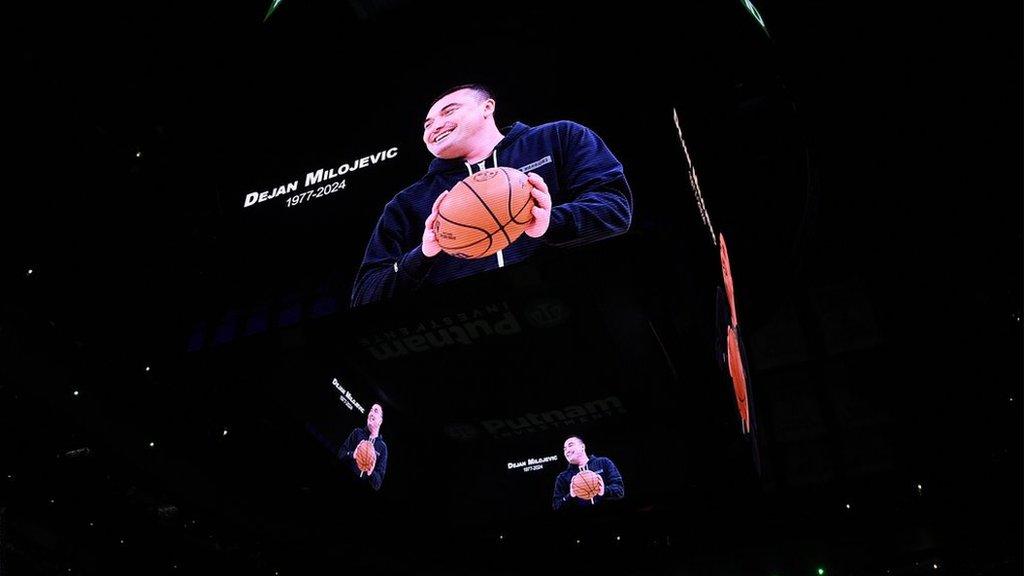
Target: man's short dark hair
(482,91)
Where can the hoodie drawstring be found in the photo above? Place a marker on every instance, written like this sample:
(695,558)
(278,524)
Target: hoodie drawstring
(483,163)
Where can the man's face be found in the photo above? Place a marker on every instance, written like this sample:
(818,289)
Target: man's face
(375,417)
(574,450)
(453,121)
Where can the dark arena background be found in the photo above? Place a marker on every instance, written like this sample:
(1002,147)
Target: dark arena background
(797,354)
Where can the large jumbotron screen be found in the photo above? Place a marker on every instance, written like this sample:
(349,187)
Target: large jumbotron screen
(477,272)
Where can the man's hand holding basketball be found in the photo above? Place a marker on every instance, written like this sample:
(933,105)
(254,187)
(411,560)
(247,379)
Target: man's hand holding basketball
(430,246)
(542,209)
(600,484)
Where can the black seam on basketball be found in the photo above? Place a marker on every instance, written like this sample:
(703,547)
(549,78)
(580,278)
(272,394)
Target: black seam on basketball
(508,179)
(488,208)
(529,198)
(449,220)
(490,242)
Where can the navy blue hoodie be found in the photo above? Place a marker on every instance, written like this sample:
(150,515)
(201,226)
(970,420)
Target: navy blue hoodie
(613,489)
(589,194)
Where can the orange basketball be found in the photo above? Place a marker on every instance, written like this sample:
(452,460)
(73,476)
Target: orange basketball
(365,456)
(586,484)
(484,213)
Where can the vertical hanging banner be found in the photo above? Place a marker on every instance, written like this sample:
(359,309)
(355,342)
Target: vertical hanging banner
(736,360)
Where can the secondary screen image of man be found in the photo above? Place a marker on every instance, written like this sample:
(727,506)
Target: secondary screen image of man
(369,435)
(609,480)
(580,194)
